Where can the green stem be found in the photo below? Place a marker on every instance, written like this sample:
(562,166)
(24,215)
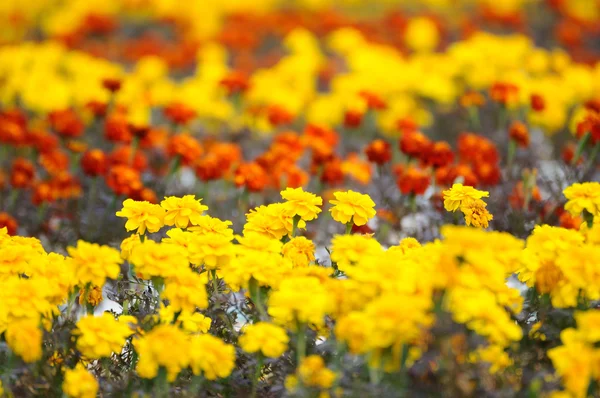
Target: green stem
(349,227)
(256,379)
(300,343)
(580,147)
(256,298)
(296,220)
(512,150)
(215,281)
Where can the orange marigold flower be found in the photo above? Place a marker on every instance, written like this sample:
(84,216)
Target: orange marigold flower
(42,140)
(407,124)
(413,181)
(6,220)
(54,162)
(123,180)
(440,155)
(116,129)
(22,173)
(97,108)
(332,172)
(379,152)
(488,173)
(42,193)
(466,173)
(94,162)
(65,186)
(209,168)
(353,119)
(66,123)
(415,144)
(122,155)
(568,221)
(519,132)
(504,93)
(251,176)
(279,116)
(235,82)
(186,147)
(179,113)
(11,131)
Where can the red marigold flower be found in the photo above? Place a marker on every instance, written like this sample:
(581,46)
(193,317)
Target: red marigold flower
(186,147)
(519,132)
(22,173)
(9,222)
(353,119)
(251,176)
(415,144)
(123,180)
(179,113)
(537,102)
(116,129)
(123,155)
(94,162)
(379,152)
(66,123)
(413,181)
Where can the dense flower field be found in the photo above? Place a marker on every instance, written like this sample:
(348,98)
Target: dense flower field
(309,198)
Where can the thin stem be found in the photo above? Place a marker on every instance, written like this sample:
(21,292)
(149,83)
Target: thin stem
(257,371)
(215,281)
(349,227)
(580,147)
(300,343)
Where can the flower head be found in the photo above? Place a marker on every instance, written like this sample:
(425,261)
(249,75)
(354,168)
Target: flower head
(142,216)
(271,340)
(100,336)
(352,206)
(94,263)
(302,204)
(454,197)
(584,196)
(475,213)
(182,211)
(79,383)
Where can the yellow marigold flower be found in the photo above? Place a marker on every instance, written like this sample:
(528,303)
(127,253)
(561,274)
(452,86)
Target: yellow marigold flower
(271,340)
(588,324)
(57,272)
(212,250)
(275,221)
(313,373)
(300,251)
(208,224)
(211,356)
(268,269)
(100,336)
(152,353)
(191,322)
(94,296)
(476,213)
(302,204)
(259,243)
(354,329)
(23,299)
(455,196)
(24,338)
(79,383)
(186,291)
(153,259)
(94,263)
(128,244)
(583,196)
(352,206)
(301,299)
(346,250)
(406,245)
(183,211)
(142,216)
(574,362)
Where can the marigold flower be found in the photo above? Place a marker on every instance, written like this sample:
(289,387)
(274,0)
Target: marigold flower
(455,196)
(94,162)
(300,251)
(22,173)
(271,340)
(413,181)
(352,206)
(94,263)
(373,101)
(186,291)
(122,155)
(583,196)
(24,338)
(179,113)
(301,299)
(79,383)
(235,82)
(415,144)
(152,354)
(112,85)
(211,356)
(519,133)
(123,180)
(142,216)
(186,147)
(252,176)
(182,211)
(8,222)
(302,204)
(440,155)
(475,212)
(504,93)
(93,296)
(537,102)
(379,152)
(100,336)
(209,168)
(353,119)
(153,259)
(66,123)
(313,373)
(117,129)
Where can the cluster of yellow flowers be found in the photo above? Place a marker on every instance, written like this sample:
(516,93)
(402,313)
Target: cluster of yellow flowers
(382,301)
